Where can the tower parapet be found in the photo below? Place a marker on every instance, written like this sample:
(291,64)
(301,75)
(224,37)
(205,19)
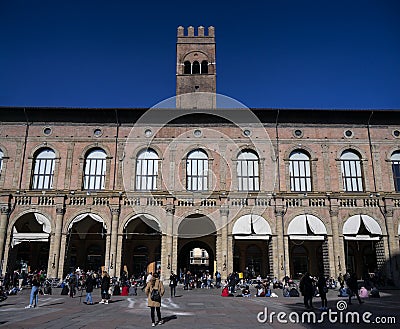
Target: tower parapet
(192,32)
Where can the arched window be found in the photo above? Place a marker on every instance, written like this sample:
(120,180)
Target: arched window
(197,171)
(351,172)
(395,159)
(1,160)
(146,170)
(187,67)
(95,170)
(248,171)
(300,172)
(196,67)
(204,67)
(43,170)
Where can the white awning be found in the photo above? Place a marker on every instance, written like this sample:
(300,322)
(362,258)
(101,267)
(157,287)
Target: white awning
(359,237)
(352,226)
(41,219)
(251,227)
(306,227)
(307,237)
(18,238)
(92,216)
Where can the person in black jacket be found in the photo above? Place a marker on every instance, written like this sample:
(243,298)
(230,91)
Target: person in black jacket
(173,280)
(89,283)
(307,289)
(322,289)
(353,286)
(105,286)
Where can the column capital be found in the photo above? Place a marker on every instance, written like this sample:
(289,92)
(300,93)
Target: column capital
(115,211)
(389,212)
(334,212)
(4,208)
(170,209)
(279,212)
(224,210)
(60,210)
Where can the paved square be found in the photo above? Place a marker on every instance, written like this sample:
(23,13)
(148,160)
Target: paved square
(200,308)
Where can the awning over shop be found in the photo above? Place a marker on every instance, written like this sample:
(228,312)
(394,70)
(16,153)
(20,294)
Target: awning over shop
(361,227)
(251,227)
(306,227)
(87,214)
(19,237)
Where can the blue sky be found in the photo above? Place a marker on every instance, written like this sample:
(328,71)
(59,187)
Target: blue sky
(331,54)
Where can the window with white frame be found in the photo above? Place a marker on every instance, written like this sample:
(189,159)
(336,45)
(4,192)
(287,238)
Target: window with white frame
(147,170)
(197,171)
(43,170)
(351,172)
(95,170)
(248,171)
(395,160)
(300,172)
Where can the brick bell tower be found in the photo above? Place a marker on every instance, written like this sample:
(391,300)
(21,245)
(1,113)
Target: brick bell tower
(195,68)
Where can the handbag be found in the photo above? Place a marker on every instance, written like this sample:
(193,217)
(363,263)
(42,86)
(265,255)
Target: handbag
(155,295)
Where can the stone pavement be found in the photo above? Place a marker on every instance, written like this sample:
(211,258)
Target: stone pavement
(200,308)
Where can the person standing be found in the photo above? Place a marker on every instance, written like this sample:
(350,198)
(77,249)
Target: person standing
(217,279)
(307,289)
(323,289)
(341,280)
(34,297)
(148,278)
(72,284)
(353,286)
(89,283)
(105,286)
(173,280)
(154,303)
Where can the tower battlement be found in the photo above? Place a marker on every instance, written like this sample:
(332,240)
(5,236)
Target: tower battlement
(191,32)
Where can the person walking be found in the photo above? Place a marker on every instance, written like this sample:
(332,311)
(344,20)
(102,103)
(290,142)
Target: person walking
(105,286)
(307,289)
(34,297)
(323,289)
(353,286)
(72,282)
(154,291)
(89,283)
(173,280)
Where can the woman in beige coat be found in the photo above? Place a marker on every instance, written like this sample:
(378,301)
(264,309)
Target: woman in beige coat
(154,284)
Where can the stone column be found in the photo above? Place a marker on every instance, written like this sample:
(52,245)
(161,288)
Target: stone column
(119,265)
(393,242)
(281,255)
(225,263)
(113,242)
(339,260)
(169,254)
(3,227)
(57,269)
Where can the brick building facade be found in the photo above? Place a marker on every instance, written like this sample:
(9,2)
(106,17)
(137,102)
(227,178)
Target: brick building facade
(270,191)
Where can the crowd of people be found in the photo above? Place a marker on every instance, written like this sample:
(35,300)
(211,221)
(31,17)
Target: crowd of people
(308,286)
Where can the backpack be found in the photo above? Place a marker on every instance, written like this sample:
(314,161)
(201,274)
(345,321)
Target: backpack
(294,292)
(155,295)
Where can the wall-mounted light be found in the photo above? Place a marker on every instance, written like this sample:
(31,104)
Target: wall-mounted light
(169,262)
(112,261)
(54,261)
(224,265)
(281,262)
(339,265)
